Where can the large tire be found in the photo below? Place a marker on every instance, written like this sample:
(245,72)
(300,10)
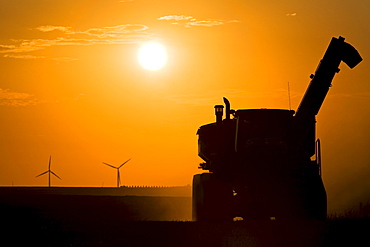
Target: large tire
(311,202)
(212,199)
(316,206)
(300,200)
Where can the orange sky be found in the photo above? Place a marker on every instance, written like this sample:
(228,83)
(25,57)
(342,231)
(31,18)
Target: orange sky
(71,85)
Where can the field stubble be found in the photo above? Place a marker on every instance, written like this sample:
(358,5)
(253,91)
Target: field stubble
(55,220)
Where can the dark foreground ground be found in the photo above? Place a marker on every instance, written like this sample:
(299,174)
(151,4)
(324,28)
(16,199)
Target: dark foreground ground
(77,220)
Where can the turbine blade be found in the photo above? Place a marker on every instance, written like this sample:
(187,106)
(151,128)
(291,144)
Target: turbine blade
(118,179)
(49,162)
(55,175)
(124,163)
(42,174)
(110,165)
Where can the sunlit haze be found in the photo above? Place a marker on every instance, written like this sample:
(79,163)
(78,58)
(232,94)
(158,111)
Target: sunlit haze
(72,86)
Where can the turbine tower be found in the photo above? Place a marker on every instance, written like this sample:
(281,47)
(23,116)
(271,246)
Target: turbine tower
(50,172)
(118,176)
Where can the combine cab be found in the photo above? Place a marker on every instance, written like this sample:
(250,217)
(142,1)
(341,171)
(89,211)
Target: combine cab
(265,163)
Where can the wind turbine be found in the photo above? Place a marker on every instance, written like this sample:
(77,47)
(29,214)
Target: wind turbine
(49,171)
(118,176)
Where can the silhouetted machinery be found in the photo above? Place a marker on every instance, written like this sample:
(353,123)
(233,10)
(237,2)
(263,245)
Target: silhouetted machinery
(266,163)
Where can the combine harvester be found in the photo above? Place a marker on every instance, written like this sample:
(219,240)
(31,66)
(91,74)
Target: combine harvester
(265,163)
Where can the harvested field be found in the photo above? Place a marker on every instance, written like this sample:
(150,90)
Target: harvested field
(84,220)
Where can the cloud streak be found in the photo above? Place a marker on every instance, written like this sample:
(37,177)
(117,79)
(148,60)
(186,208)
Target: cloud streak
(10,98)
(121,34)
(113,35)
(291,14)
(60,59)
(17,99)
(175,18)
(50,28)
(189,21)
(116,32)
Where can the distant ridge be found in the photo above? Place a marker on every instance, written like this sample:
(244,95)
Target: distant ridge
(178,191)
(152,187)
(169,191)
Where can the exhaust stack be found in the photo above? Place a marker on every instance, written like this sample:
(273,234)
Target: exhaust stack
(228,111)
(219,112)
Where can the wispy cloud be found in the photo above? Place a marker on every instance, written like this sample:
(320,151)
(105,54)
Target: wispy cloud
(10,98)
(176,18)
(205,23)
(60,59)
(50,28)
(24,56)
(209,23)
(121,34)
(189,21)
(17,99)
(116,32)
(291,14)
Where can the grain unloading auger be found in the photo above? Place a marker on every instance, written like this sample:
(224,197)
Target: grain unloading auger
(265,163)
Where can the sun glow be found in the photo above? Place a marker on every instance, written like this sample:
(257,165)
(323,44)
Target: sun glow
(152,56)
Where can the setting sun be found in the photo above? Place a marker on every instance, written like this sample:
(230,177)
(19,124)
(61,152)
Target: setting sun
(152,56)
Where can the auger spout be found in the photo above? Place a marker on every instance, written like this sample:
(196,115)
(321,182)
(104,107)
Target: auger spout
(337,51)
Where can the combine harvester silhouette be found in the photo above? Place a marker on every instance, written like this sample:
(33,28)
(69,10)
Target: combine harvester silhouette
(266,163)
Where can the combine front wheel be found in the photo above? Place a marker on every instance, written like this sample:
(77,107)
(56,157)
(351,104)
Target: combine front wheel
(212,198)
